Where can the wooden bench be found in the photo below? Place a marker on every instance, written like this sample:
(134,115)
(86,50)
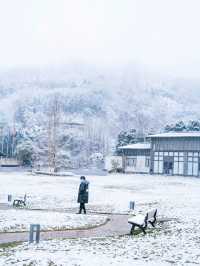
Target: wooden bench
(20,202)
(142,221)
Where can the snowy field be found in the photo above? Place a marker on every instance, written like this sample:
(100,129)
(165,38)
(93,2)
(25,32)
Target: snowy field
(11,220)
(172,243)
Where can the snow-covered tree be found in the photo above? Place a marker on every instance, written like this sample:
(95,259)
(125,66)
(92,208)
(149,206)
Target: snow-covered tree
(105,102)
(177,127)
(127,137)
(193,125)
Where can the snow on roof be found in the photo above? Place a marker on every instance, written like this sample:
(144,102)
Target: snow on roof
(175,134)
(136,146)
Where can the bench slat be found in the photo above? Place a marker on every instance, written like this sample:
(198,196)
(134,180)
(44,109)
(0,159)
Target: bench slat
(139,219)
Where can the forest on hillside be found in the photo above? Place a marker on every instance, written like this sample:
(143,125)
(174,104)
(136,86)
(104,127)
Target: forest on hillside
(77,111)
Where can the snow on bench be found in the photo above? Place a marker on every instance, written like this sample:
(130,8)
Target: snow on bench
(142,221)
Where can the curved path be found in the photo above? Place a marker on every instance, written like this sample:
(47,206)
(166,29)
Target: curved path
(116,226)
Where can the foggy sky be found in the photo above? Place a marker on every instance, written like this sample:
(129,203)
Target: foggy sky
(159,34)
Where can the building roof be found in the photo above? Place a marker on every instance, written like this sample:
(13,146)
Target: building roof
(136,146)
(176,135)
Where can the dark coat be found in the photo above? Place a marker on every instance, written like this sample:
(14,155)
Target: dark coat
(83,192)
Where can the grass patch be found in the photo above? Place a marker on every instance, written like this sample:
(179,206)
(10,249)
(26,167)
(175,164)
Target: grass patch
(9,245)
(149,231)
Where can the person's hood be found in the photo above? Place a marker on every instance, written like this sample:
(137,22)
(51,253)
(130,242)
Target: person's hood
(85,182)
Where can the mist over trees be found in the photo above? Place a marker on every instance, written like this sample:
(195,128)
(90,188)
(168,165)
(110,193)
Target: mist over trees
(93,105)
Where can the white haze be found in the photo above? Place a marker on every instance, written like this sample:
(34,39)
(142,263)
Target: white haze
(119,64)
(162,35)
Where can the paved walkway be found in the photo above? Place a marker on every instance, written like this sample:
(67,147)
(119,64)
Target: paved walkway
(116,226)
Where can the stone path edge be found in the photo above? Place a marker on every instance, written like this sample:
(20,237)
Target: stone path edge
(116,225)
(62,230)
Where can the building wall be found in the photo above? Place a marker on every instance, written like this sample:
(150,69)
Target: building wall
(176,144)
(134,152)
(176,158)
(170,155)
(9,162)
(137,164)
(181,156)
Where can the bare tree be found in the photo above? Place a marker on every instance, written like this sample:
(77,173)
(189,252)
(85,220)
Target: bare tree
(53,125)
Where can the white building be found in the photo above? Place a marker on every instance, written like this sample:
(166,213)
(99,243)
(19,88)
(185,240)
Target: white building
(176,153)
(136,158)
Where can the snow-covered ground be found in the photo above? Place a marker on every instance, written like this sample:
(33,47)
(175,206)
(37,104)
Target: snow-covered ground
(173,243)
(11,220)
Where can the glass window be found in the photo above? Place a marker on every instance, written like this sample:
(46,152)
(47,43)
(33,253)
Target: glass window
(195,169)
(181,154)
(160,167)
(190,159)
(161,153)
(195,159)
(166,153)
(190,168)
(128,162)
(176,159)
(131,162)
(156,158)
(176,168)
(156,153)
(181,159)
(196,154)
(171,153)
(190,153)
(181,165)
(147,162)
(156,167)
(176,154)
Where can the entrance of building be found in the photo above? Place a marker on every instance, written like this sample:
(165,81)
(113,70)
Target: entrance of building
(168,165)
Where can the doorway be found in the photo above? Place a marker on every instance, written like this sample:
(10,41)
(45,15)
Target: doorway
(168,165)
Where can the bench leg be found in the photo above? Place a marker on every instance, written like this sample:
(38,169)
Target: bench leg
(21,203)
(17,203)
(132,229)
(143,229)
(152,224)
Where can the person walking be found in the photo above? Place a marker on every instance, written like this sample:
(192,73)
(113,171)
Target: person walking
(83,194)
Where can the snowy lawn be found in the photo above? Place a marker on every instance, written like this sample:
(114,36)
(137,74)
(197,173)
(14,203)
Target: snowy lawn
(98,252)
(20,220)
(173,243)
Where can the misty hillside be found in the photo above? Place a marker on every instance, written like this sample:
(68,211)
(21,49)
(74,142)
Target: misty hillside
(122,98)
(40,104)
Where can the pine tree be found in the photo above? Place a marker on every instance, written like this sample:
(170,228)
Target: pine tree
(127,137)
(193,125)
(180,126)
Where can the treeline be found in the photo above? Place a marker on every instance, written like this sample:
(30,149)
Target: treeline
(113,108)
(180,126)
(133,136)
